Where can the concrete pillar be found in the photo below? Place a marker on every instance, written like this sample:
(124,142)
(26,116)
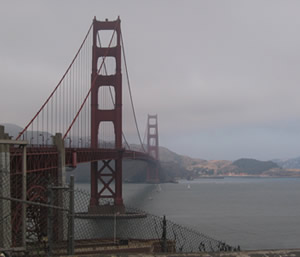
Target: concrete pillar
(60,146)
(62,218)
(5,206)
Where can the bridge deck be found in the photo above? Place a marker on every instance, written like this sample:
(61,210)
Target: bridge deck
(46,158)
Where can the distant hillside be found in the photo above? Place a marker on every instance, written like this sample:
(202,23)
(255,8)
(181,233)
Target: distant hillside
(210,168)
(174,165)
(241,167)
(33,137)
(293,163)
(12,129)
(254,167)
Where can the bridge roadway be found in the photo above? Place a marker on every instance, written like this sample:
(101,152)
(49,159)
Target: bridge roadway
(89,155)
(46,158)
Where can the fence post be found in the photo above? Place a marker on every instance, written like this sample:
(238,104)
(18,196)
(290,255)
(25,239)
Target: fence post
(24,194)
(50,222)
(164,235)
(5,206)
(71,218)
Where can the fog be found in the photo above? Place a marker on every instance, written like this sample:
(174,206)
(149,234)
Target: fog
(223,76)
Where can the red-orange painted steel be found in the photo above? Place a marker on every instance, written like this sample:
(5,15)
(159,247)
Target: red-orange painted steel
(45,159)
(114,116)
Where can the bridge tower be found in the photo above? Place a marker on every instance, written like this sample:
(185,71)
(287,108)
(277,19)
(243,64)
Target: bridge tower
(152,147)
(109,174)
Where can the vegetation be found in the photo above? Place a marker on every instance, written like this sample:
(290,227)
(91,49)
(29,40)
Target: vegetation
(253,167)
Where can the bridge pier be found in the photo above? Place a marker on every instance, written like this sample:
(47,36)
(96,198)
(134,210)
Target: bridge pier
(118,179)
(113,173)
(106,209)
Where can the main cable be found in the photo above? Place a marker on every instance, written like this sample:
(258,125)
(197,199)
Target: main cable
(92,86)
(59,83)
(130,94)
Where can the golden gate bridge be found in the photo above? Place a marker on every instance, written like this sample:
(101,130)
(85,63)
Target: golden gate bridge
(82,122)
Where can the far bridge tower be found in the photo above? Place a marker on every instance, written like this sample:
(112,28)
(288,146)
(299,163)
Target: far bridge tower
(152,147)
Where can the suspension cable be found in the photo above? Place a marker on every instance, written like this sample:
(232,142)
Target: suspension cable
(145,135)
(59,83)
(130,94)
(92,86)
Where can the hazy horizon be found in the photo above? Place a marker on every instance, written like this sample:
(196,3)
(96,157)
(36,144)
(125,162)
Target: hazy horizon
(223,76)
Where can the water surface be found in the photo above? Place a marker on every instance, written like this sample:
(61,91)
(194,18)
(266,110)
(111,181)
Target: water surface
(255,213)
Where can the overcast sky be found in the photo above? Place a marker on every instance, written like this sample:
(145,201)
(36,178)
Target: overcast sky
(223,76)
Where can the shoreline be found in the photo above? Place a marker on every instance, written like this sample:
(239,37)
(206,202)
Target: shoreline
(245,176)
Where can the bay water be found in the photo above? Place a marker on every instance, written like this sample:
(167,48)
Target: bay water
(255,213)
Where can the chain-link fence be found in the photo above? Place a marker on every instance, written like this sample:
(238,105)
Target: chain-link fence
(40,217)
(37,224)
(48,225)
(34,207)
(50,230)
(138,225)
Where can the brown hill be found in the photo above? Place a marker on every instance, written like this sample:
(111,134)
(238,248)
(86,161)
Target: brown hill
(181,166)
(175,165)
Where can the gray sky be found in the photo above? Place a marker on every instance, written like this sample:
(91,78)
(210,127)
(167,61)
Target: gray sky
(223,76)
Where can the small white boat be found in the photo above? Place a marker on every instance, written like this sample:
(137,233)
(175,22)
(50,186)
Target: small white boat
(189,186)
(158,188)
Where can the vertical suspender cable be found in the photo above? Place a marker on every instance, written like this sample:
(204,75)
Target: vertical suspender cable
(92,86)
(59,83)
